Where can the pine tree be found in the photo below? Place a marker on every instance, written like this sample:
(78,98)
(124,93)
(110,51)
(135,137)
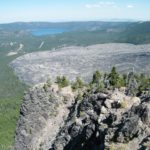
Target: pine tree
(78,84)
(143,83)
(97,83)
(113,77)
(62,81)
(96,77)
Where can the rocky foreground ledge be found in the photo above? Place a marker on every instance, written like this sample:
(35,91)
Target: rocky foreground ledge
(57,119)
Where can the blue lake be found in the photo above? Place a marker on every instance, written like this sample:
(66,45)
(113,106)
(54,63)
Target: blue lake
(48,31)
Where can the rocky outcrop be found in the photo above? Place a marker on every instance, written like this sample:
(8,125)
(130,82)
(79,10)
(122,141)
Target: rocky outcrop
(102,123)
(43,112)
(52,119)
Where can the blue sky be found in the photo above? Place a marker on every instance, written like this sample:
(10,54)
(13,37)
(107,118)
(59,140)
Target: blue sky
(73,10)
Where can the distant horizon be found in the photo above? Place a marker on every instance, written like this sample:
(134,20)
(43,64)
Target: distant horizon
(68,11)
(69,21)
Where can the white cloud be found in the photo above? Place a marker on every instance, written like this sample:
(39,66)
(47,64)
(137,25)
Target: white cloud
(130,6)
(101,4)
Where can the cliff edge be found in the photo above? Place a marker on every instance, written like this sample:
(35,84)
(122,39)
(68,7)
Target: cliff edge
(59,119)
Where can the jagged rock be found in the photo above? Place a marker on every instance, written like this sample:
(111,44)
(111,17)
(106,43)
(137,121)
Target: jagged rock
(101,118)
(108,103)
(104,110)
(93,123)
(102,96)
(42,113)
(143,111)
(145,144)
(136,100)
(129,130)
(78,122)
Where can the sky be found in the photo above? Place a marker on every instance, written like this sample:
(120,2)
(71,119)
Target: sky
(73,10)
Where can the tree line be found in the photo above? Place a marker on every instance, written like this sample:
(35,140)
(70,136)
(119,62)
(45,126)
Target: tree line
(135,84)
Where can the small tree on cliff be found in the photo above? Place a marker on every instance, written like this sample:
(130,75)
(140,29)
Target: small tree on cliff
(115,79)
(143,83)
(96,77)
(97,83)
(62,81)
(78,84)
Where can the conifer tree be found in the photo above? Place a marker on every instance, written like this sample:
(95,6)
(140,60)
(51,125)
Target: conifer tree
(62,81)
(78,84)
(113,77)
(96,77)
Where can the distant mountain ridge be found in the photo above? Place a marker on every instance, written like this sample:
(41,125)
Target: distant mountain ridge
(80,34)
(87,25)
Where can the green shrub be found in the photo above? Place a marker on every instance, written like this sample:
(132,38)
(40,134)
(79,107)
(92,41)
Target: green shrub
(78,84)
(49,83)
(45,87)
(96,77)
(100,87)
(62,81)
(79,96)
(97,83)
(115,79)
(143,83)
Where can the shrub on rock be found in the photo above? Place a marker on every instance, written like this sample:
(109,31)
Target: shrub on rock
(62,81)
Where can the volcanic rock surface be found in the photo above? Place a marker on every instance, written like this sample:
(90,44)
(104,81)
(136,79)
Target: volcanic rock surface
(76,61)
(43,112)
(54,119)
